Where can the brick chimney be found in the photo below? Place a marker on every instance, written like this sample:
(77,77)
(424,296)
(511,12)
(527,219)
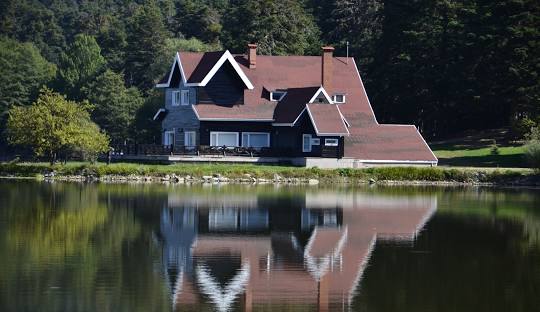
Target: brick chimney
(326,71)
(252,55)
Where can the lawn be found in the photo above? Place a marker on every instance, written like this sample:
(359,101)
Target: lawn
(475,150)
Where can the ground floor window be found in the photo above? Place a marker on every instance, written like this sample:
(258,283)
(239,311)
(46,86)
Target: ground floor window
(306,143)
(190,139)
(331,142)
(255,139)
(224,138)
(168,138)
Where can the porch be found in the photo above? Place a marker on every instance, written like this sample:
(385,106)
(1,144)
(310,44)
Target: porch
(221,154)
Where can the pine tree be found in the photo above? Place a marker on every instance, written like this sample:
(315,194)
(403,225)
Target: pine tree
(146,41)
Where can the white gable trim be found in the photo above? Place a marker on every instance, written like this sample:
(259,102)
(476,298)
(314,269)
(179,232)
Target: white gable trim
(321,89)
(161,110)
(183,76)
(227,56)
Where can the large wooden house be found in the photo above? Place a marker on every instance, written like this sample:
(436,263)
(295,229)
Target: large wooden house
(312,110)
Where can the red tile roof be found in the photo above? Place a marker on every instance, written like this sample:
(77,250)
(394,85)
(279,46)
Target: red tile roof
(327,119)
(387,142)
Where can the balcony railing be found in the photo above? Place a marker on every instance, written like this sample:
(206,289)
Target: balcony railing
(201,150)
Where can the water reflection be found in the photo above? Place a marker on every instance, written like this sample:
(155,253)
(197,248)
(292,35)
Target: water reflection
(102,247)
(249,249)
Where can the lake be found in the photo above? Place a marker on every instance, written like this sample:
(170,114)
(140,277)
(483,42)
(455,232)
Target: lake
(150,247)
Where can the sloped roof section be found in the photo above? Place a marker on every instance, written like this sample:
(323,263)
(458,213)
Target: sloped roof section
(292,104)
(207,112)
(388,143)
(327,119)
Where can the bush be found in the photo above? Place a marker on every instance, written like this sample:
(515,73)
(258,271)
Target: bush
(532,153)
(532,148)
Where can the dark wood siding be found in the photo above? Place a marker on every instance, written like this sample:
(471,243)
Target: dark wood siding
(287,140)
(225,88)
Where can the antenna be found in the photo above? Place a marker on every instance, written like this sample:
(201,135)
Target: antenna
(347,59)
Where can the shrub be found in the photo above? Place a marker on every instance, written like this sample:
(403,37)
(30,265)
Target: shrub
(532,148)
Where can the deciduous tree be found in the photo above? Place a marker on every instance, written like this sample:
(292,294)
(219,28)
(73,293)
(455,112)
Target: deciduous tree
(54,125)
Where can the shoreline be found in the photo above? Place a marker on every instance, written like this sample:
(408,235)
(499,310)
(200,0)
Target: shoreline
(260,174)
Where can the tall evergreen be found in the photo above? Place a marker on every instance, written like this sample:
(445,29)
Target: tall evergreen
(146,41)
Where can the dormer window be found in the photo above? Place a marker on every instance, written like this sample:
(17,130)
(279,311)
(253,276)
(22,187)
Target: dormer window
(276,96)
(339,98)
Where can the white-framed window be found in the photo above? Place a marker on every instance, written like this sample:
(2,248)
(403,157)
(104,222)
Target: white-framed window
(315,141)
(306,143)
(339,98)
(176,98)
(331,142)
(223,138)
(190,139)
(277,95)
(184,100)
(255,139)
(168,137)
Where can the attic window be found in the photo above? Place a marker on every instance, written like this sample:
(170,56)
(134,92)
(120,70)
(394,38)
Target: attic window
(339,98)
(277,95)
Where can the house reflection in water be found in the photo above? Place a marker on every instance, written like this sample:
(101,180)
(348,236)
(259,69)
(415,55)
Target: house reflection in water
(247,251)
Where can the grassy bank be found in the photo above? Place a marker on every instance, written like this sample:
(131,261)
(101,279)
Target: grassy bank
(238,171)
(476,148)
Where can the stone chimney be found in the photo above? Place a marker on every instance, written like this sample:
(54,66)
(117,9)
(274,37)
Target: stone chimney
(252,55)
(326,70)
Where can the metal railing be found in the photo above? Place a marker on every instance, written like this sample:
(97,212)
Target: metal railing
(201,150)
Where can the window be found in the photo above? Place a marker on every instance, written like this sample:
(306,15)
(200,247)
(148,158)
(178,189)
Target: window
(331,142)
(168,138)
(339,98)
(180,97)
(175,98)
(185,97)
(306,143)
(189,139)
(315,141)
(277,95)
(224,138)
(255,139)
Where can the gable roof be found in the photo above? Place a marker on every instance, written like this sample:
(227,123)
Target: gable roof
(327,119)
(199,68)
(293,104)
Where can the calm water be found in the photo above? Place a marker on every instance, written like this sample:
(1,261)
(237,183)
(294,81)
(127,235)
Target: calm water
(72,247)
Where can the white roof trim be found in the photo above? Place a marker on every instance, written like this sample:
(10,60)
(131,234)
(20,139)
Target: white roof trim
(345,122)
(183,76)
(227,56)
(321,89)
(364,90)
(322,133)
(161,110)
(195,111)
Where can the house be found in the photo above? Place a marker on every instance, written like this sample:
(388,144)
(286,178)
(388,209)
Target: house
(311,110)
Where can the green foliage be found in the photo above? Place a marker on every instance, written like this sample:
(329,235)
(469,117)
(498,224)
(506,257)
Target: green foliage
(81,63)
(532,148)
(115,106)
(146,43)
(162,63)
(22,73)
(54,125)
(278,27)
(148,130)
